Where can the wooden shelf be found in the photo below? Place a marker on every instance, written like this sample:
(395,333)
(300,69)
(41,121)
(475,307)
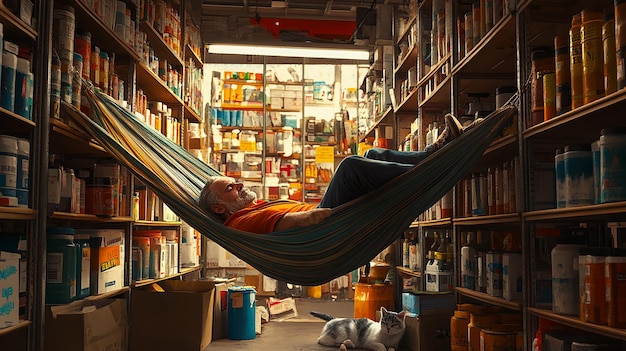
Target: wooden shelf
(443,222)
(497,301)
(577,323)
(65,139)
(157,224)
(410,23)
(182,272)
(17,213)
(408,272)
(192,115)
(88,218)
(409,60)
(383,118)
(255,107)
(580,212)
(14,29)
(190,54)
(490,219)
(154,87)
(109,294)
(12,122)
(161,49)
(19,325)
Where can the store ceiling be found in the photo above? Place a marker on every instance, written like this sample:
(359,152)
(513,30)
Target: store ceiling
(300,20)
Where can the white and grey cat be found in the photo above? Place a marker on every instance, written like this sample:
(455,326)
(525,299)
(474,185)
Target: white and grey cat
(363,333)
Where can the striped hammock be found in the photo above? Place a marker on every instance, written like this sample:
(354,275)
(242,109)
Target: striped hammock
(354,233)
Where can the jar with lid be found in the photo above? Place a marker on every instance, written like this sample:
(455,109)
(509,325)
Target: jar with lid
(578,162)
(613,164)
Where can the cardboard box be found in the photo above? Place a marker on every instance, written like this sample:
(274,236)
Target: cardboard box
(184,310)
(220,311)
(87,325)
(218,257)
(427,331)
(418,303)
(9,288)
(107,260)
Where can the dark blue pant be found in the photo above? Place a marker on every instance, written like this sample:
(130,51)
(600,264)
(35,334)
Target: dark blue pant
(358,175)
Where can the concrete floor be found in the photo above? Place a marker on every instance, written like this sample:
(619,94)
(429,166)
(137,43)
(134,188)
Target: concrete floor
(294,334)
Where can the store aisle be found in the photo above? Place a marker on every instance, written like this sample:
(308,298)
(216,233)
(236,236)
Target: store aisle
(295,334)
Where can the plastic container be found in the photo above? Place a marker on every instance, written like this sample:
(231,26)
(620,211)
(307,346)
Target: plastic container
(99,197)
(241,313)
(559,173)
(469,266)
(593,297)
(156,268)
(493,262)
(7,83)
(8,164)
(562,77)
(82,46)
(83,262)
(479,321)
(497,340)
(142,244)
(615,271)
(613,164)
(592,53)
(542,61)
(565,275)
(576,63)
(23,89)
(597,177)
(368,298)
(23,168)
(458,330)
(60,265)
(578,161)
(512,276)
(439,273)
(63,28)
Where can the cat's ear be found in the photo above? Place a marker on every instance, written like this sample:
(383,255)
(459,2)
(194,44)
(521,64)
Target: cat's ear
(383,309)
(402,314)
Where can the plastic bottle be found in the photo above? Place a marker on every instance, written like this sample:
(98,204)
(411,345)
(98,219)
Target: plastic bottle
(23,89)
(565,299)
(578,161)
(469,263)
(83,268)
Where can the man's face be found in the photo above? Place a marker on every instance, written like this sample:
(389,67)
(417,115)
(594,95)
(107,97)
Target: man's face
(232,195)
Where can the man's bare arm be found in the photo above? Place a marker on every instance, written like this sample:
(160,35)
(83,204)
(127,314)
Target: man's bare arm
(302,219)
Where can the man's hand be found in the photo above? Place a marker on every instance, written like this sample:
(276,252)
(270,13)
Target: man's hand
(302,219)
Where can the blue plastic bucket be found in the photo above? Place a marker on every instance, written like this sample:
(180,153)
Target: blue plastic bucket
(241,313)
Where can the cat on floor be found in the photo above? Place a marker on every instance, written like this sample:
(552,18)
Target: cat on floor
(363,333)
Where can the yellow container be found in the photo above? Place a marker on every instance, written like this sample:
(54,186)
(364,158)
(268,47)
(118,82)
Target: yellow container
(458,330)
(368,298)
(314,292)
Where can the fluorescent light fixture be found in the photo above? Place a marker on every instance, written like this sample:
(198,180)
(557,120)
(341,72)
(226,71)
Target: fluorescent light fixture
(342,53)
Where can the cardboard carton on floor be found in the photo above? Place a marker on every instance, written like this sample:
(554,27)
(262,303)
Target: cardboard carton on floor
(87,325)
(173,315)
(220,310)
(427,331)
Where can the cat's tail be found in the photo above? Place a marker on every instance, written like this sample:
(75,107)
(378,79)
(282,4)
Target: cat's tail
(321,315)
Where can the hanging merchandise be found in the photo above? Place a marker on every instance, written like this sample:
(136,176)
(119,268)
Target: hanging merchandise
(592,52)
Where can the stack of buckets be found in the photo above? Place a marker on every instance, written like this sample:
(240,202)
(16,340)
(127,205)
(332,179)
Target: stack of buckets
(483,328)
(241,313)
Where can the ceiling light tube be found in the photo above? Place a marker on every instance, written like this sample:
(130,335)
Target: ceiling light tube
(290,51)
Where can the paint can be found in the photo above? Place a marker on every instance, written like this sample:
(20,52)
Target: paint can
(497,340)
(60,265)
(593,296)
(8,165)
(578,161)
(458,330)
(241,313)
(615,275)
(592,53)
(368,298)
(565,299)
(613,164)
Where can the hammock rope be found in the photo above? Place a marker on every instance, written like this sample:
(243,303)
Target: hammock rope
(355,232)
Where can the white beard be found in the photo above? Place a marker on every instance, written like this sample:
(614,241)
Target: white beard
(246,197)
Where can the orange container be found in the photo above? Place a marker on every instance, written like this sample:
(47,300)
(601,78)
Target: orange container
(576,63)
(458,330)
(615,269)
(478,321)
(497,340)
(593,297)
(368,298)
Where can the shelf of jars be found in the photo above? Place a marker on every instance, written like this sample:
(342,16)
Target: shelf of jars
(492,300)
(578,324)
(384,118)
(161,49)
(407,61)
(434,87)
(191,54)
(409,272)
(14,27)
(495,53)
(84,217)
(583,122)
(60,135)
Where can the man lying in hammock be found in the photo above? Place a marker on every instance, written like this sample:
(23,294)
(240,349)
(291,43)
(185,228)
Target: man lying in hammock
(237,206)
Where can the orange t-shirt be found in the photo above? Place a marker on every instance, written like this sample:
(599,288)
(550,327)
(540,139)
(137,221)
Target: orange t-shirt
(261,217)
